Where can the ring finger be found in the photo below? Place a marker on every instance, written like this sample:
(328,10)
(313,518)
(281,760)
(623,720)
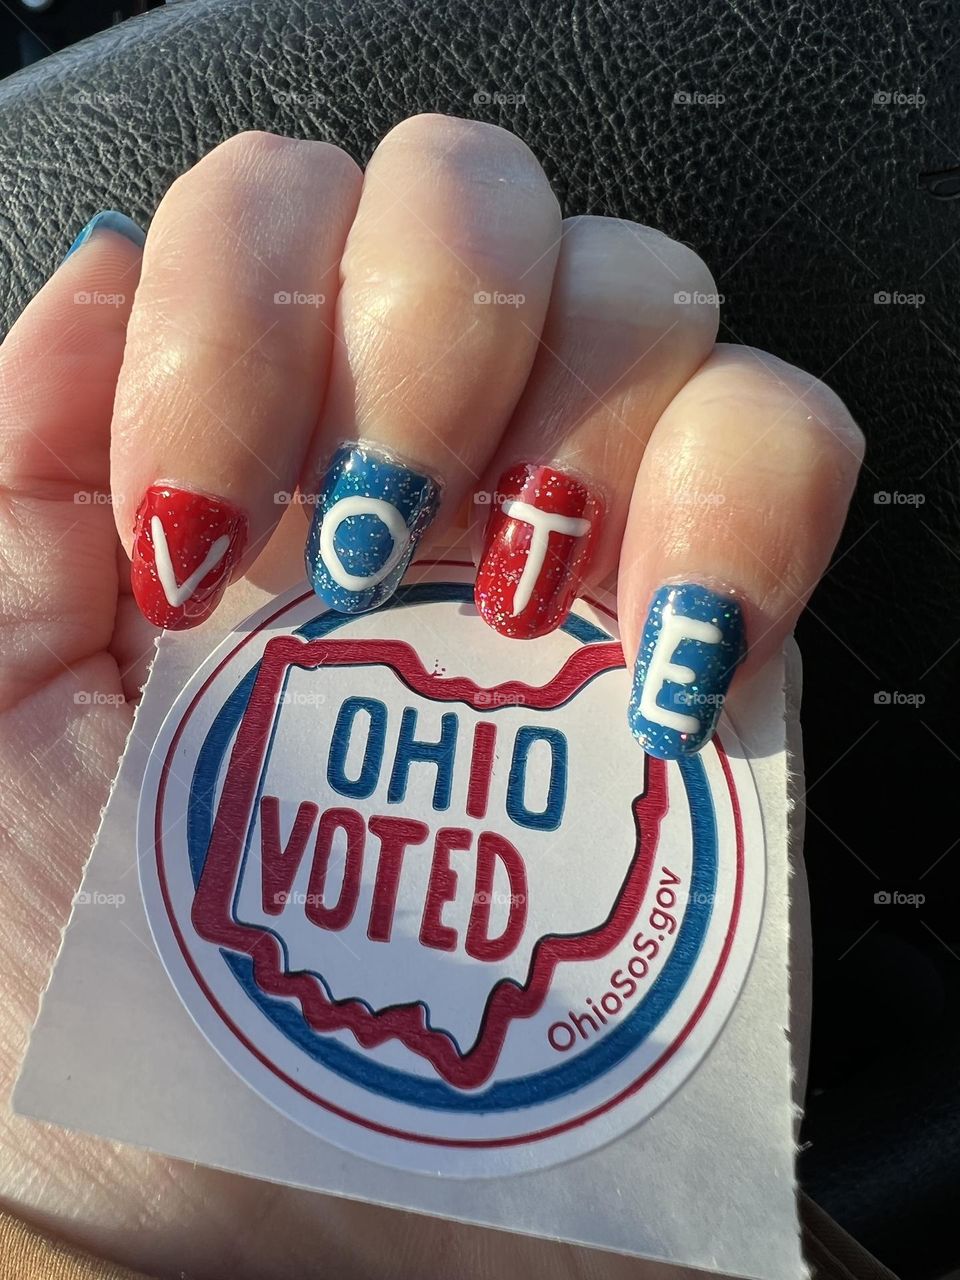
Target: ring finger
(632,315)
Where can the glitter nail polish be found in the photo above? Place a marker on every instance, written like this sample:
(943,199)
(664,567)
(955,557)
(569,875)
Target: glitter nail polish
(693,641)
(371,513)
(185,547)
(540,535)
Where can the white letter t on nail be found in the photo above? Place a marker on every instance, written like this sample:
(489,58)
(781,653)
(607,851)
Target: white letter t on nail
(542,523)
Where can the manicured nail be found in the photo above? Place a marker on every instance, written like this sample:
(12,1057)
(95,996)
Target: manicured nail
(185,547)
(370,515)
(109,220)
(692,644)
(540,534)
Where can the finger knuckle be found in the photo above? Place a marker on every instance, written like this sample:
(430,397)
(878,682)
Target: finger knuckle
(822,408)
(255,157)
(469,152)
(642,275)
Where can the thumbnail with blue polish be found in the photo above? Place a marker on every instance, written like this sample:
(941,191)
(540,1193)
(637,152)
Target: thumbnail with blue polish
(693,642)
(108,220)
(370,515)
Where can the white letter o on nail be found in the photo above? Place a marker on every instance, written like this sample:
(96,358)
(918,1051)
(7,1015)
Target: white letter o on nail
(357,505)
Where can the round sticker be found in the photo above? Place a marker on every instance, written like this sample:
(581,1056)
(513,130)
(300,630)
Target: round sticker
(422,890)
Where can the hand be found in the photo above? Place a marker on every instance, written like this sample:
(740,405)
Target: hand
(560,378)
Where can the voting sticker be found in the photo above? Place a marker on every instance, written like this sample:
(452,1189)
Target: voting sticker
(421,888)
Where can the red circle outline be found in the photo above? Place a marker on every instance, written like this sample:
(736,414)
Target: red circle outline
(341,1112)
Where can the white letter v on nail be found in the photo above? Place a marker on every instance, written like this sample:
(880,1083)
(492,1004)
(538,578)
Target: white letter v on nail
(179,593)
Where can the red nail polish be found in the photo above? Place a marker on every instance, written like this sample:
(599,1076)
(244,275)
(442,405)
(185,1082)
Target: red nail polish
(540,534)
(185,546)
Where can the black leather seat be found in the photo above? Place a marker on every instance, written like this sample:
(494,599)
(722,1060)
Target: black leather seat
(788,143)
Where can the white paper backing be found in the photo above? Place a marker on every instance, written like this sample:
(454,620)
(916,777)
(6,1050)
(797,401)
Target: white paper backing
(706,1181)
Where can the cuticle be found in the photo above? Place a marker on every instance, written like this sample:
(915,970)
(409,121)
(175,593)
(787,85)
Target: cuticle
(598,493)
(387,454)
(195,491)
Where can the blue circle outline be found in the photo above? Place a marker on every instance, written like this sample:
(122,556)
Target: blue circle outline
(509,1095)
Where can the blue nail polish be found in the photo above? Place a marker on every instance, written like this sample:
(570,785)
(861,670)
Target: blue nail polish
(693,641)
(370,515)
(109,220)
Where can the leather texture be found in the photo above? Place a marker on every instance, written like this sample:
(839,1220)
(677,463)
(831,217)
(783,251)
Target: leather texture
(795,166)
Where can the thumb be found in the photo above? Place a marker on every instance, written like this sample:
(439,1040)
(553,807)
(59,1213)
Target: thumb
(58,373)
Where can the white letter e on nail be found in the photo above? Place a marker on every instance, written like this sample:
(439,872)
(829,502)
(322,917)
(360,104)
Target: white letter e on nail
(673,630)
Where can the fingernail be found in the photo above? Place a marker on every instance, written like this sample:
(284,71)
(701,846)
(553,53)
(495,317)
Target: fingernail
(108,220)
(693,641)
(185,548)
(539,538)
(370,515)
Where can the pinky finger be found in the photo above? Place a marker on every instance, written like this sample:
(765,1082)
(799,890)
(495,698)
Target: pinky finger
(740,499)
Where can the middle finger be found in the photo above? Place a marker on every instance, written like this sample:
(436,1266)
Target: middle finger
(445,282)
